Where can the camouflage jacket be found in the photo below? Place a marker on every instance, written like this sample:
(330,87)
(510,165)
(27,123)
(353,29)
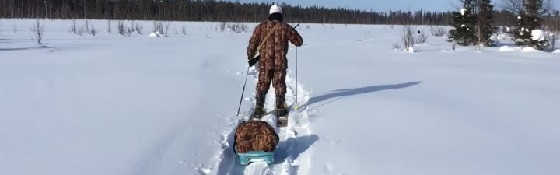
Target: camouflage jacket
(274,50)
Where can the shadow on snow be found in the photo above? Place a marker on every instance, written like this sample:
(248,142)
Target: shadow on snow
(357,91)
(294,147)
(24,48)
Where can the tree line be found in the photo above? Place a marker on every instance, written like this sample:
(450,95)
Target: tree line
(207,10)
(211,10)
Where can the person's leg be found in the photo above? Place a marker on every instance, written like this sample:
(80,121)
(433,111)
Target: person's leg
(263,84)
(279,82)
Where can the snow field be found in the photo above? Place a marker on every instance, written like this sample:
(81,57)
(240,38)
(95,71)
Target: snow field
(138,105)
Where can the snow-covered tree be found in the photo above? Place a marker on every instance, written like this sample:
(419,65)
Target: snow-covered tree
(464,22)
(529,19)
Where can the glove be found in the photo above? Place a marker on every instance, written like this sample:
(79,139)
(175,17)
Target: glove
(253,61)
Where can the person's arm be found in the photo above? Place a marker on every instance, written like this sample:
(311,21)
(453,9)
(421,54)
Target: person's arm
(294,37)
(254,42)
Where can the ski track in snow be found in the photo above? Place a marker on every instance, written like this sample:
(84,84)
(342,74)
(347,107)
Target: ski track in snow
(293,155)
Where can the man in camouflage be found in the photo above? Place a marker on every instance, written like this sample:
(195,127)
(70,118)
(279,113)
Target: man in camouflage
(270,39)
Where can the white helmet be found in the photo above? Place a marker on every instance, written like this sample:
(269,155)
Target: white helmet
(275,9)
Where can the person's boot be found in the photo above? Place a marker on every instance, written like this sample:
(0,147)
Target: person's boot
(281,112)
(282,117)
(258,112)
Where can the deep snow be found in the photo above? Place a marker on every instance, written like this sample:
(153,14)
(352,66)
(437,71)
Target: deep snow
(138,105)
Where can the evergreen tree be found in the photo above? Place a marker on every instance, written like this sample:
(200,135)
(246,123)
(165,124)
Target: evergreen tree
(522,31)
(528,20)
(464,23)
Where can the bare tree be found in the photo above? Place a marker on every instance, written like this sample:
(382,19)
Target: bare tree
(73,27)
(38,31)
(108,26)
(407,38)
(138,28)
(184,30)
(514,6)
(92,31)
(122,29)
(167,27)
(485,20)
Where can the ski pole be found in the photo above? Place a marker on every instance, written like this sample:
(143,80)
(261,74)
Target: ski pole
(296,79)
(296,102)
(243,91)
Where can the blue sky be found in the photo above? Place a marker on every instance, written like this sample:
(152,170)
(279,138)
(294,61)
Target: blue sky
(433,5)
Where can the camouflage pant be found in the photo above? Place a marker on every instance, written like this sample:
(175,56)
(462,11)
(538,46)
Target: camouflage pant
(278,80)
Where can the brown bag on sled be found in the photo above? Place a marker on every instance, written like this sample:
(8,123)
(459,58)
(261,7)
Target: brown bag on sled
(255,136)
